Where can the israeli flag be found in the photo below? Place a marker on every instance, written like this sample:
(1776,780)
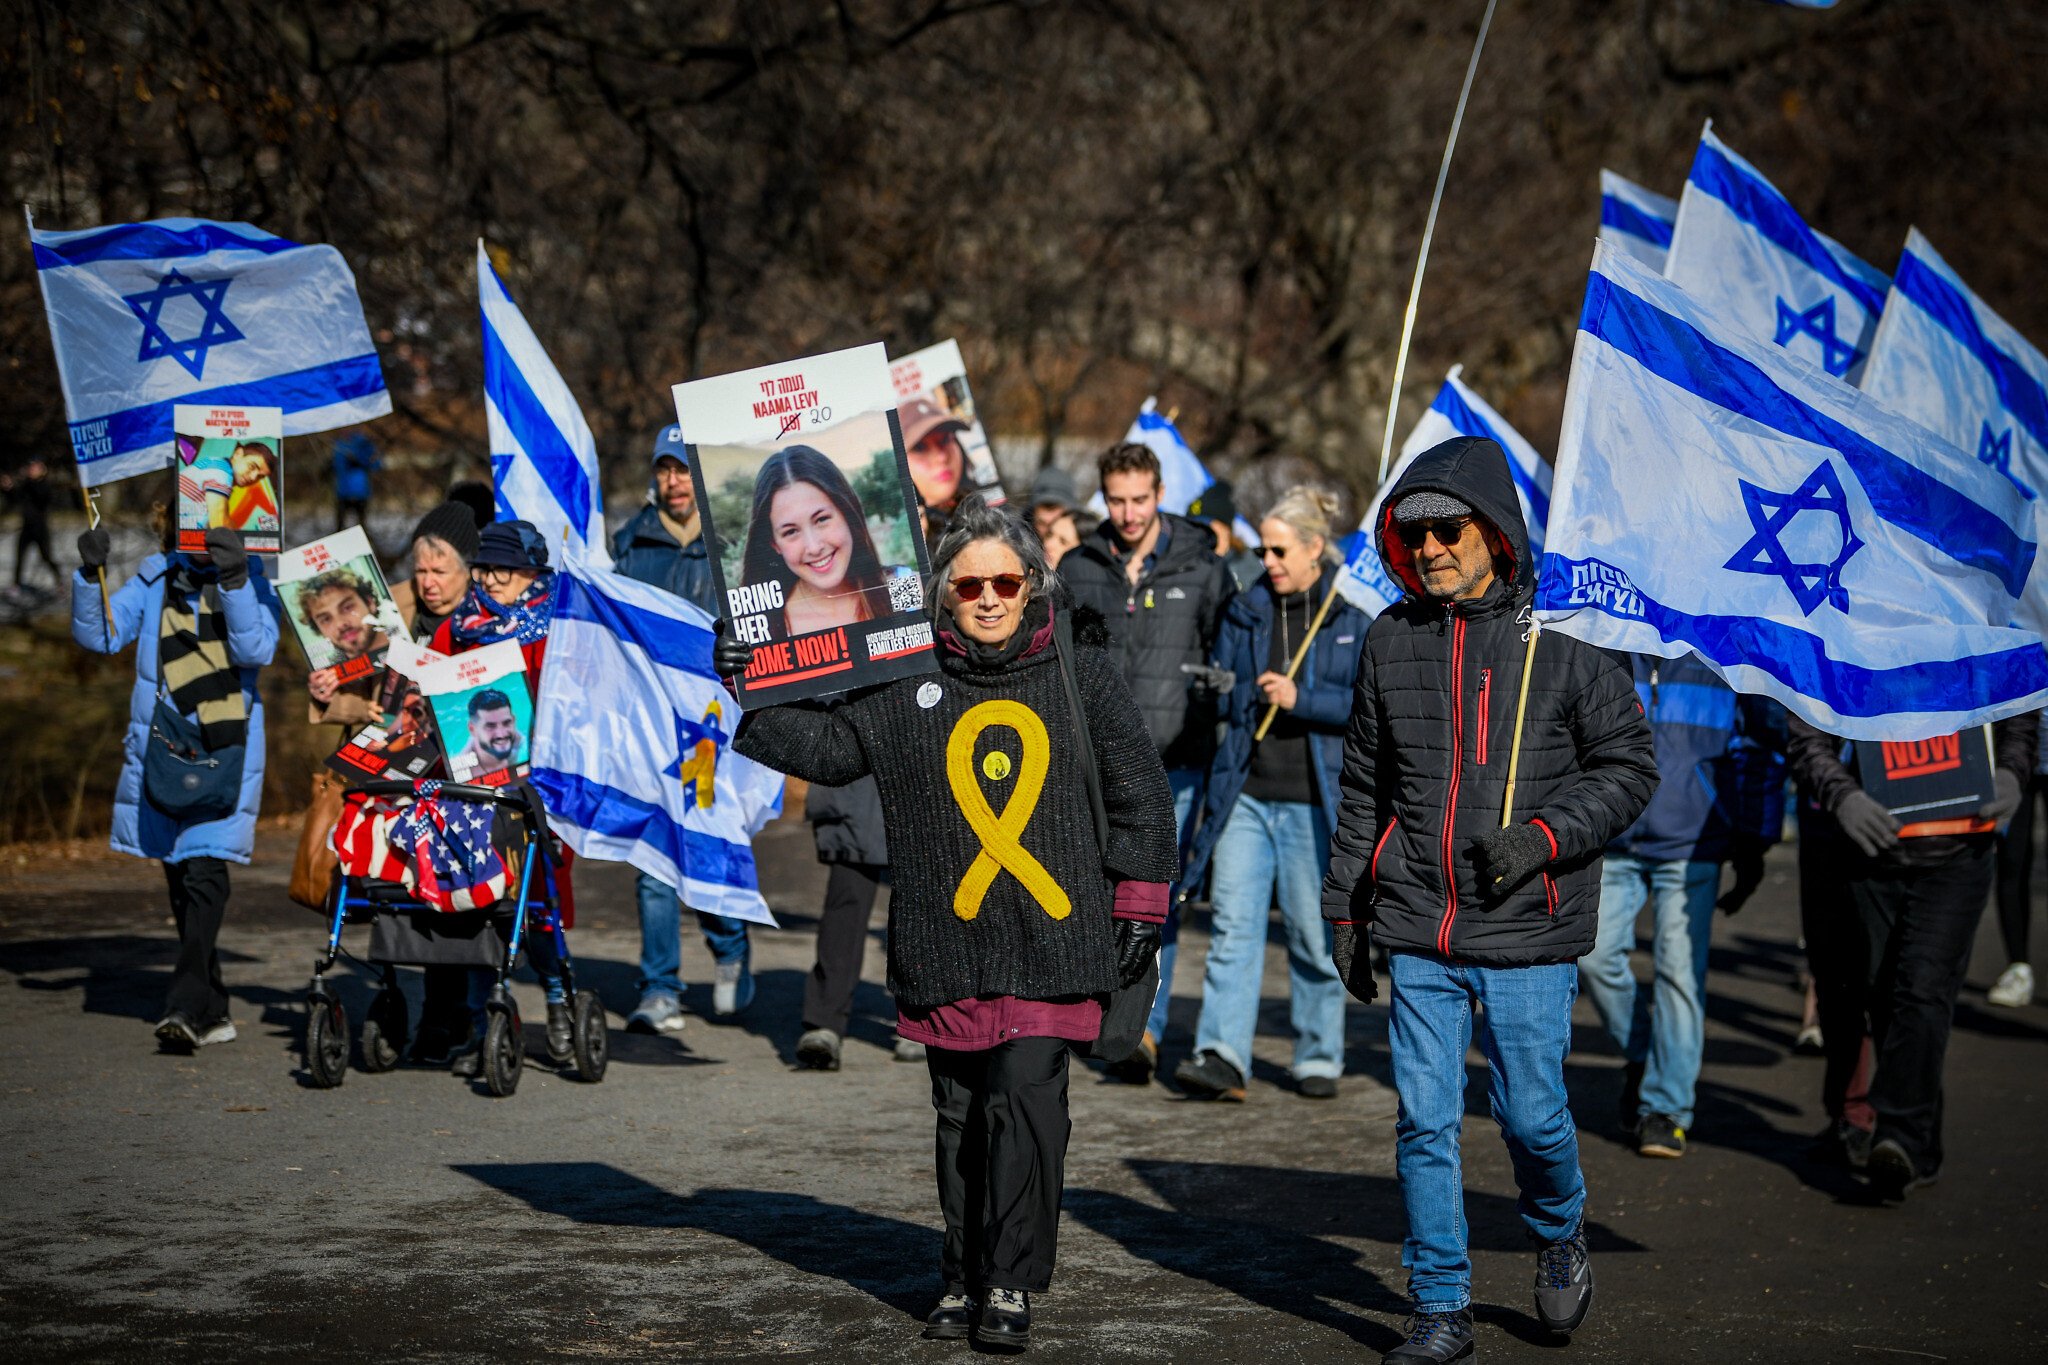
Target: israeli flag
(1456,411)
(1182,475)
(543,459)
(1637,220)
(145,316)
(1947,361)
(632,738)
(1718,496)
(1743,250)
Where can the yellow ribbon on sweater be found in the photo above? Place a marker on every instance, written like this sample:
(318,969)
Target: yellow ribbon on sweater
(1001,850)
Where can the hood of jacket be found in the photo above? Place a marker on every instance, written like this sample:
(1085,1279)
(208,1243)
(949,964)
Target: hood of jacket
(1473,470)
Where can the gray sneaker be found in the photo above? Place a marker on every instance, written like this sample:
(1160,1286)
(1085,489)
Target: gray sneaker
(1564,1282)
(658,1012)
(733,991)
(818,1050)
(907,1051)
(219,1031)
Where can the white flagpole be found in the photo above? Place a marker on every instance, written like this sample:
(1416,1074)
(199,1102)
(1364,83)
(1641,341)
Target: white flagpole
(1443,174)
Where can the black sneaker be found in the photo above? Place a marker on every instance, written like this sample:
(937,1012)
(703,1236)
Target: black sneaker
(1564,1282)
(469,1061)
(1434,1337)
(1660,1135)
(1629,1111)
(951,1320)
(176,1033)
(561,1032)
(1206,1076)
(1002,1321)
(1137,1068)
(1892,1172)
(437,1044)
(1317,1087)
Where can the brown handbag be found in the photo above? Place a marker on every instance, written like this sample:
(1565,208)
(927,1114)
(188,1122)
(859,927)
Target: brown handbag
(314,865)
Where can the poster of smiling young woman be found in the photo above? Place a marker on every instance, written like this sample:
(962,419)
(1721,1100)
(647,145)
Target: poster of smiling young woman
(949,453)
(811,520)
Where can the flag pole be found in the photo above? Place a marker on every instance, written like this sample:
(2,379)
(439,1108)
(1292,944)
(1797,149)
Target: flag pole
(92,520)
(92,515)
(1507,805)
(1294,664)
(1436,200)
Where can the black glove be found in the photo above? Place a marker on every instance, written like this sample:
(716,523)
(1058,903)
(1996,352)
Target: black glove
(1137,942)
(1213,681)
(729,656)
(230,557)
(1345,941)
(93,548)
(1746,856)
(2005,799)
(1505,858)
(1869,825)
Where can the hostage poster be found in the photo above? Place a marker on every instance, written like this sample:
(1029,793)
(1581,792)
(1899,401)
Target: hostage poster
(949,453)
(811,521)
(482,711)
(228,462)
(334,595)
(403,743)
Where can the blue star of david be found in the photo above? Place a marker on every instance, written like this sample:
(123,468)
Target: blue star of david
(1764,553)
(501,465)
(691,733)
(1996,451)
(1818,322)
(214,327)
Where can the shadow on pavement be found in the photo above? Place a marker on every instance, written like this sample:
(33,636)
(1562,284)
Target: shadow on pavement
(125,975)
(893,1261)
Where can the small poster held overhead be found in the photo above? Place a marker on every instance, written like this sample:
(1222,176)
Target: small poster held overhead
(811,522)
(949,452)
(482,711)
(228,462)
(338,603)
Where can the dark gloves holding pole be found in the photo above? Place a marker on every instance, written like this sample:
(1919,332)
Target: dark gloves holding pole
(230,557)
(1356,975)
(1137,943)
(93,548)
(1746,856)
(1504,858)
(1868,824)
(729,656)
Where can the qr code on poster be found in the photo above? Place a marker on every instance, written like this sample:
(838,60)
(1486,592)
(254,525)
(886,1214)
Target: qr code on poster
(905,593)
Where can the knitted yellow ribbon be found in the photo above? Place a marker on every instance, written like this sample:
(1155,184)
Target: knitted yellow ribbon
(1000,849)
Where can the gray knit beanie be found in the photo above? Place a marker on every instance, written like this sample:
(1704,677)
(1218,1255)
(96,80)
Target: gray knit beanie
(1429,505)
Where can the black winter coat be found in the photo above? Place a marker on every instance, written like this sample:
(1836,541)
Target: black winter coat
(1167,619)
(643,549)
(998,731)
(1426,757)
(846,824)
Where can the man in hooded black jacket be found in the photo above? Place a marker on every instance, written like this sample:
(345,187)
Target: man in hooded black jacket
(1479,905)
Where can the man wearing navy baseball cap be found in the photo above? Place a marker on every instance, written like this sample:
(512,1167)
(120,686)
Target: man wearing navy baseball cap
(663,546)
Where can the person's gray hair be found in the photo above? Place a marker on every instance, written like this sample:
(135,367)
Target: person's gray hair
(1310,510)
(974,520)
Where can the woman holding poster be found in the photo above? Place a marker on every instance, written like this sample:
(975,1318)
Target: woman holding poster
(809,536)
(1033,835)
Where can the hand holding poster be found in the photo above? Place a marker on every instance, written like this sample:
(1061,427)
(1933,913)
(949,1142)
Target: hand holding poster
(811,523)
(338,604)
(483,712)
(948,451)
(227,461)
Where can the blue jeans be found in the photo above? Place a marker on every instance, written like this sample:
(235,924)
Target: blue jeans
(1429,1031)
(1185,782)
(1664,1029)
(661,940)
(1265,843)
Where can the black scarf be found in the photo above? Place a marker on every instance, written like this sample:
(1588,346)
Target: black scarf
(192,659)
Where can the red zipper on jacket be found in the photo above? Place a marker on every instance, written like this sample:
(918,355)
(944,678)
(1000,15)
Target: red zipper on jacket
(1443,933)
(1485,701)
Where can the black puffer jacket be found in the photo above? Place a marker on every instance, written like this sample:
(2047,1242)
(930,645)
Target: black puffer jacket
(846,824)
(1168,618)
(1426,757)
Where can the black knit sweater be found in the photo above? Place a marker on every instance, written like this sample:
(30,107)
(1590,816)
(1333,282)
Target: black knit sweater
(1040,927)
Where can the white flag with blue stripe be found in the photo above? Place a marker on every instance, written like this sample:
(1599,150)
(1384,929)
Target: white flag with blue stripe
(543,458)
(145,316)
(1456,411)
(632,739)
(1948,362)
(1717,496)
(1637,220)
(1742,248)
(1182,475)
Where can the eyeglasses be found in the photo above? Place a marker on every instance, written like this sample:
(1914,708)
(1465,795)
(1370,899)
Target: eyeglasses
(1272,552)
(492,573)
(1447,532)
(1007,586)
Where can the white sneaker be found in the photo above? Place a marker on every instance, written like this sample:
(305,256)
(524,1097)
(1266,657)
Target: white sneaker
(733,990)
(2015,987)
(659,1012)
(220,1031)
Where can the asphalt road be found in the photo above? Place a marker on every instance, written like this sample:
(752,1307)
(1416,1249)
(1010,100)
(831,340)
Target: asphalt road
(707,1201)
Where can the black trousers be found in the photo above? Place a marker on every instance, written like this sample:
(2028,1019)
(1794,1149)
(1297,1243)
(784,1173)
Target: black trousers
(1002,1156)
(2016,873)
(1921,923)
(199,902)
(842,939)
(1838,955)
(346,508)
(35,535)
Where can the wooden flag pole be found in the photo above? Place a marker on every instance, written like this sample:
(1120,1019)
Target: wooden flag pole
(1294,664)
(92,520)
(1507,805)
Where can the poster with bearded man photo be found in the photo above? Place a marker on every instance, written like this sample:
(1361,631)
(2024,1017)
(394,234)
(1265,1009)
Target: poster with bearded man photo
(483,712)
(812,523)
(338,604)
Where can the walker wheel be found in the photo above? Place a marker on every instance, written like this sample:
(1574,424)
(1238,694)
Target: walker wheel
(326,1041)
(504,1050)
(591,1042)
(384,1032)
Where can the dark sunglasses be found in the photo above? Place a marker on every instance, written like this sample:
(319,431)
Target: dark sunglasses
(1447,533)
(1271,551)
(1007,586)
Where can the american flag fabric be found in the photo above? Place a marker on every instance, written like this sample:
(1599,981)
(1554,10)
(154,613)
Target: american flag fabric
(362,838)
(448,844)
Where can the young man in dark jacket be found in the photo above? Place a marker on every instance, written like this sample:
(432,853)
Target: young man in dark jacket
(1918,899)
(664,546)
(1722,759)
(1156,579)
(1478,905)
